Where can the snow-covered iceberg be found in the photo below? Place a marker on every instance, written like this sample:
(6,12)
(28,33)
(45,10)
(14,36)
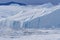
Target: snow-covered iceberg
(27,16)
(15,19)
(15,13)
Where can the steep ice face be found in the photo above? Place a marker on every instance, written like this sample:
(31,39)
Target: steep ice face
(41,21)
(15,18)
(18,17)
(28,13)
(51,21)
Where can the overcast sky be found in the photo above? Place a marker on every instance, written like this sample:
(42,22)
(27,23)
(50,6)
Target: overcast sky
(32,1)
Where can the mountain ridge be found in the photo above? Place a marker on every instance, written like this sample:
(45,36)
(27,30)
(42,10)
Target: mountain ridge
(8,3)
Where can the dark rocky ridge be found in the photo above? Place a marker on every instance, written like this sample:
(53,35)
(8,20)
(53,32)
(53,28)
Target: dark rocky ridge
(8,3)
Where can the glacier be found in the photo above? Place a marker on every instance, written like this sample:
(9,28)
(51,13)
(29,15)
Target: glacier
(30,17)
(41,21)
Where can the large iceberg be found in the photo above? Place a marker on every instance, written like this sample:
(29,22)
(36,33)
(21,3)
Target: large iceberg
(29,16)
(15,19)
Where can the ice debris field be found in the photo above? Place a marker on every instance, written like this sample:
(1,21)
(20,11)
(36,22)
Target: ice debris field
(30,22)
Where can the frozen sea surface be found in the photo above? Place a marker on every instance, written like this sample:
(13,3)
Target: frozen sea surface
(35,37)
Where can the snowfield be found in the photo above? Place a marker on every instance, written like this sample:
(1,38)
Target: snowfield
(35,37)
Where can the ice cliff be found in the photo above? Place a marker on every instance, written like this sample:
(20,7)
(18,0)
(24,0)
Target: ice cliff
(30,16)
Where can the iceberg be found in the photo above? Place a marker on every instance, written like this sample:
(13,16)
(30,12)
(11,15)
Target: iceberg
(15,19)
(25,16)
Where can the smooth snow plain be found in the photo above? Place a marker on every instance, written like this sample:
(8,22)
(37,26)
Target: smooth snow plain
(21,14)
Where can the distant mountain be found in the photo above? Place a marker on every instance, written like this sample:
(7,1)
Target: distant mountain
(8,3)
